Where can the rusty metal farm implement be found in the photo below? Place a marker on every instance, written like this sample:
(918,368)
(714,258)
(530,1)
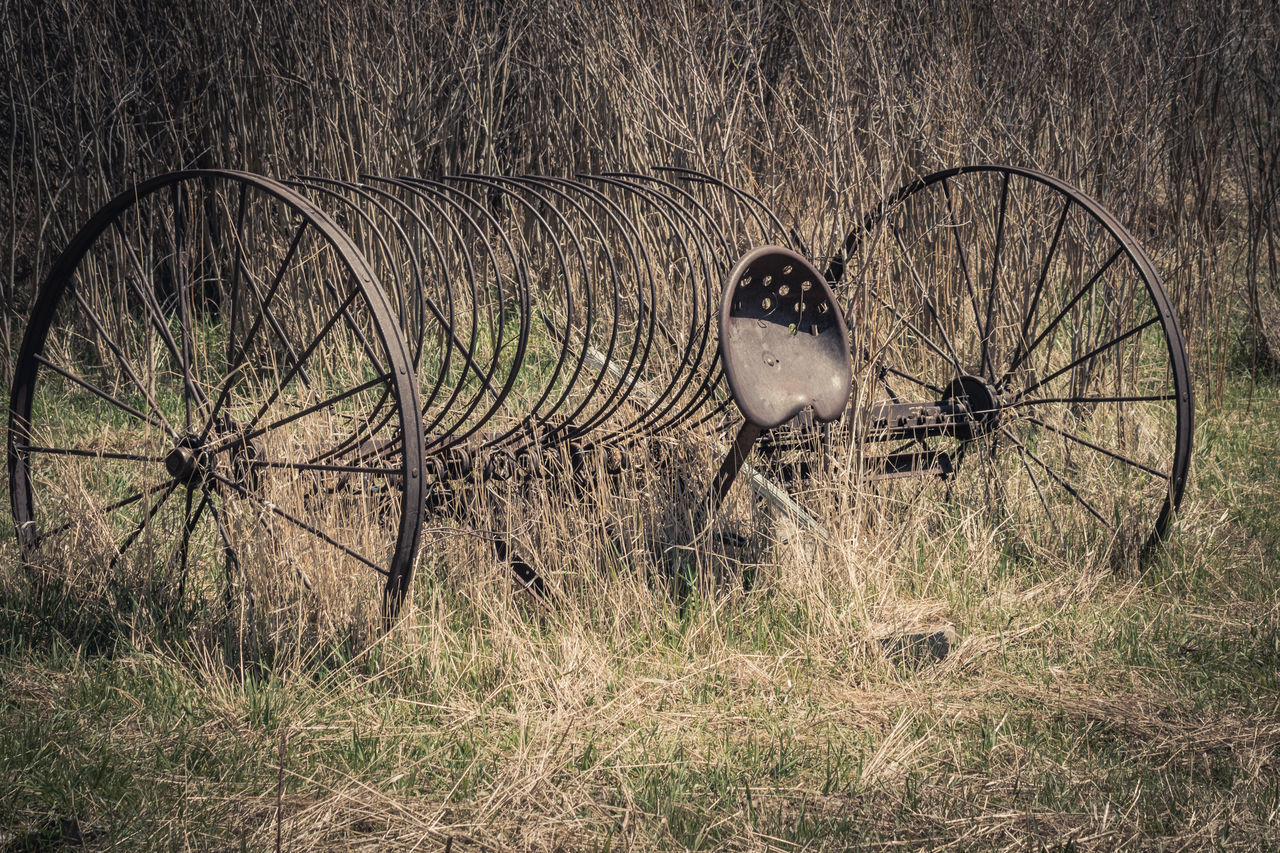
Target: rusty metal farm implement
(230,381)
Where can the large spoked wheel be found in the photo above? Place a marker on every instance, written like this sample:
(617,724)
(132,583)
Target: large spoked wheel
(212,408)
(1015,300)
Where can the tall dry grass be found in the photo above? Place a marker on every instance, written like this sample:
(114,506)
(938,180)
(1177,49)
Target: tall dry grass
(626,715)
(1164,111)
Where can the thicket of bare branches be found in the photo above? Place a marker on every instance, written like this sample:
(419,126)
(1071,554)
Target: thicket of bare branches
(1166,111)
(1082,706)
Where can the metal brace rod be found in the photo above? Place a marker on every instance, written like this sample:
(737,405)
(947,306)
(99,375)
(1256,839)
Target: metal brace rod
(762,485)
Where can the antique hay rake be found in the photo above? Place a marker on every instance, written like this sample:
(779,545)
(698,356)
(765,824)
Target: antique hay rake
(234,387)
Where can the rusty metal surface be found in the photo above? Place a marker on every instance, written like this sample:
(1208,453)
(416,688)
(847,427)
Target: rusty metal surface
(783,339)
(115,323)
(526,327)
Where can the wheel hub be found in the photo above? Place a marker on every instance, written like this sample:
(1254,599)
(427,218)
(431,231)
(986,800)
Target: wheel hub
(186,464)
(981,398)
(193,462)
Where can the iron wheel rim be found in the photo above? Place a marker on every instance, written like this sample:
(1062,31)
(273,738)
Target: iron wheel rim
(137,326)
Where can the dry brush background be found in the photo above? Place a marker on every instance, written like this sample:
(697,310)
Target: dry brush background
(1082,707)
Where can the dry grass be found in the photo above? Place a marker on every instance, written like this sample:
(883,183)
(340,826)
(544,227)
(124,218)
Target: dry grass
(1080,707)
(1165,112)
(1083,707)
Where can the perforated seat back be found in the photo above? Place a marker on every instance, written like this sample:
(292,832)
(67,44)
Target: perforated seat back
(783,339)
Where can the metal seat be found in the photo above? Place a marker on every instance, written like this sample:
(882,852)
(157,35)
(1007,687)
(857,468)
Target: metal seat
(783,339)
(785,349)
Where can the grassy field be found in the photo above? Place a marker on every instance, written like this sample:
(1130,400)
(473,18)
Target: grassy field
(1078,708)
(1081,703)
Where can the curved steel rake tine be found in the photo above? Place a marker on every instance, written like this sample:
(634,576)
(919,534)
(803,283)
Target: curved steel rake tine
(610,281)
(446,319)
(458,435)
(627,375)
(536,418)
(687,378)
(577,427)
(751,202)
(448,435)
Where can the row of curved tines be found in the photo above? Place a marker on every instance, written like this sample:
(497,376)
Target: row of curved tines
(543,312)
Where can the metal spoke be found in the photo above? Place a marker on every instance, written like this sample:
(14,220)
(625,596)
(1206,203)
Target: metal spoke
(1093,352)
(309,410)
(119,354)
(309,466)
(954,227)
(137,531)
(1057,478)
(112,507)
(314,531)
(154,312)
(92,454)
(229,550)
(1119,398)
(236,265)
(985,359)
(277,328)
(923,337)
(351,325)
(1022,456)
(233,368)
(184,316)
(1044,274)
(264,302)
(1088,285)
(98,392)
(315,342)
(928,303)
(907,376)
(1113,454)
(184,549)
